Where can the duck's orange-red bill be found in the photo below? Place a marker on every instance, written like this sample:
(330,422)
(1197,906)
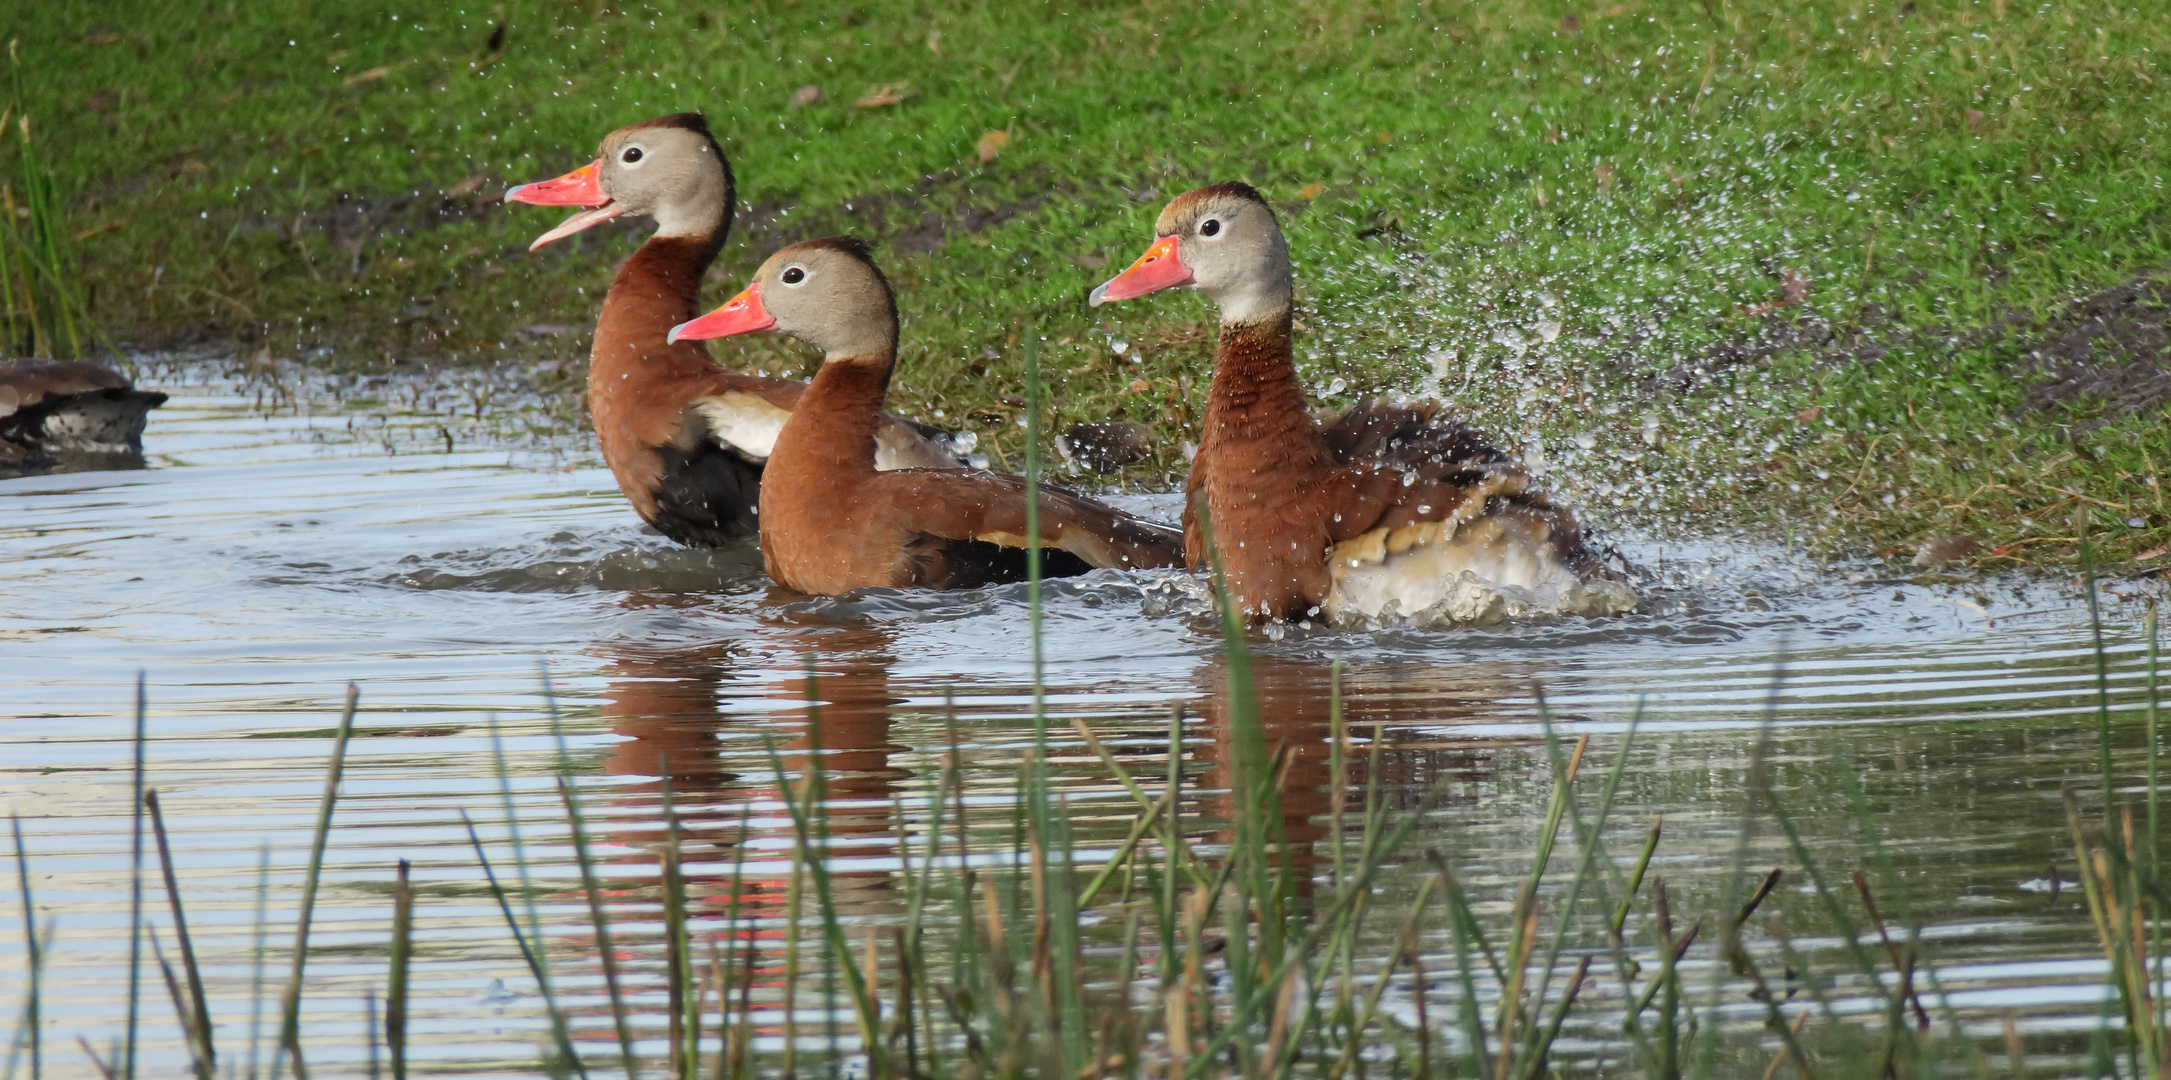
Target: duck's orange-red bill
(581,187)
(1157,269)
(742,314)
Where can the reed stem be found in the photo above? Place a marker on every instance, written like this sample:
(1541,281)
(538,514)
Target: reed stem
(33,1024)
(135,884)
(395,996)
(290,1002)
(199,1006)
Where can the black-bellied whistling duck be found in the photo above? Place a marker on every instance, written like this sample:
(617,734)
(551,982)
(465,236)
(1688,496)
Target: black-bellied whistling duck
(831,523)
(71,407)
(1380,511)
(685,439)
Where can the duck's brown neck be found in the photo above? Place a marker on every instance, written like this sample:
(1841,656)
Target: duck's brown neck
(834,423)
(665,269)
(658,288)
(1254,396)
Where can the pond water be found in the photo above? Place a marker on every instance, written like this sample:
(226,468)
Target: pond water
(469,583)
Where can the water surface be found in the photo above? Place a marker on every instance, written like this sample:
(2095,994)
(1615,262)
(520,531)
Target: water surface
(470,578)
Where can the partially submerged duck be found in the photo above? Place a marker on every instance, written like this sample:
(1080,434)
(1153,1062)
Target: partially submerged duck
(686,440)
(1387,509)
(58,408)
(830,522)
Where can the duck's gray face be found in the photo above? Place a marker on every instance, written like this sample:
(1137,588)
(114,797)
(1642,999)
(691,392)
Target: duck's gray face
(1222,241)
(823,292)
(668,169)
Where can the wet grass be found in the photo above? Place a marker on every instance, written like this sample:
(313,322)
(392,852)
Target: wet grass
(1772,264)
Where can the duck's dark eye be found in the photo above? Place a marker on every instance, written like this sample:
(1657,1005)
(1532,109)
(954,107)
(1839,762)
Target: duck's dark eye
(1211,227)
(794,276)
(632,155)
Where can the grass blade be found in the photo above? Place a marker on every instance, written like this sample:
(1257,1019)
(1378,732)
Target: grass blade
(185,1015)
(135,885)
(528,954)
(600,921)
(290,1001)
(395,994)
(200,1030)
(32,1029)
(258,950)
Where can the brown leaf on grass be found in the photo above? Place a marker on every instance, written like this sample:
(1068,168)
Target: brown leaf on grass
(1603,173)
(97,229)
(468,186)
(1810,414)
(1793,286)
(1569,24)
(1947,549)
(1975,119)
(806,95)
(1793,289)
(883,95)
(991,144)
(372,75)
(1311,191)
(2152,553)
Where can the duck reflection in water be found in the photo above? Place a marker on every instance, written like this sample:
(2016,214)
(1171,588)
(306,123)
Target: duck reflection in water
(1294,697)
(703,717)
(685,713)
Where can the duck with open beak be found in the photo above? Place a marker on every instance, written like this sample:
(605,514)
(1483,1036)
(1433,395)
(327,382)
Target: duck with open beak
(582,187)
(685,438)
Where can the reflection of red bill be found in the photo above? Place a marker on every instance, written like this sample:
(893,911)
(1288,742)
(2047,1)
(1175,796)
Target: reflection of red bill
(1157,269)
(742,314)
(581,187)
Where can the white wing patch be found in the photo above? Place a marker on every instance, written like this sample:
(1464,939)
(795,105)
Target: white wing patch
(1482,571)
(744,422)
(749,424)
(900,446)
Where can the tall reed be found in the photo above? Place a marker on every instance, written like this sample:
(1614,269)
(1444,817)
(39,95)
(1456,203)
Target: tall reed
(39,304)
(30,1027)
(289,1047)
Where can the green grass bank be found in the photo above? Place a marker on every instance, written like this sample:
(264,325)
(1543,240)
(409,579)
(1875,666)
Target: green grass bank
(1807,269)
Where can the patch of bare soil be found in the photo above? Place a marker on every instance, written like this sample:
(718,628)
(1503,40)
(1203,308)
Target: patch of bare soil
(915,221)
(2112,349)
